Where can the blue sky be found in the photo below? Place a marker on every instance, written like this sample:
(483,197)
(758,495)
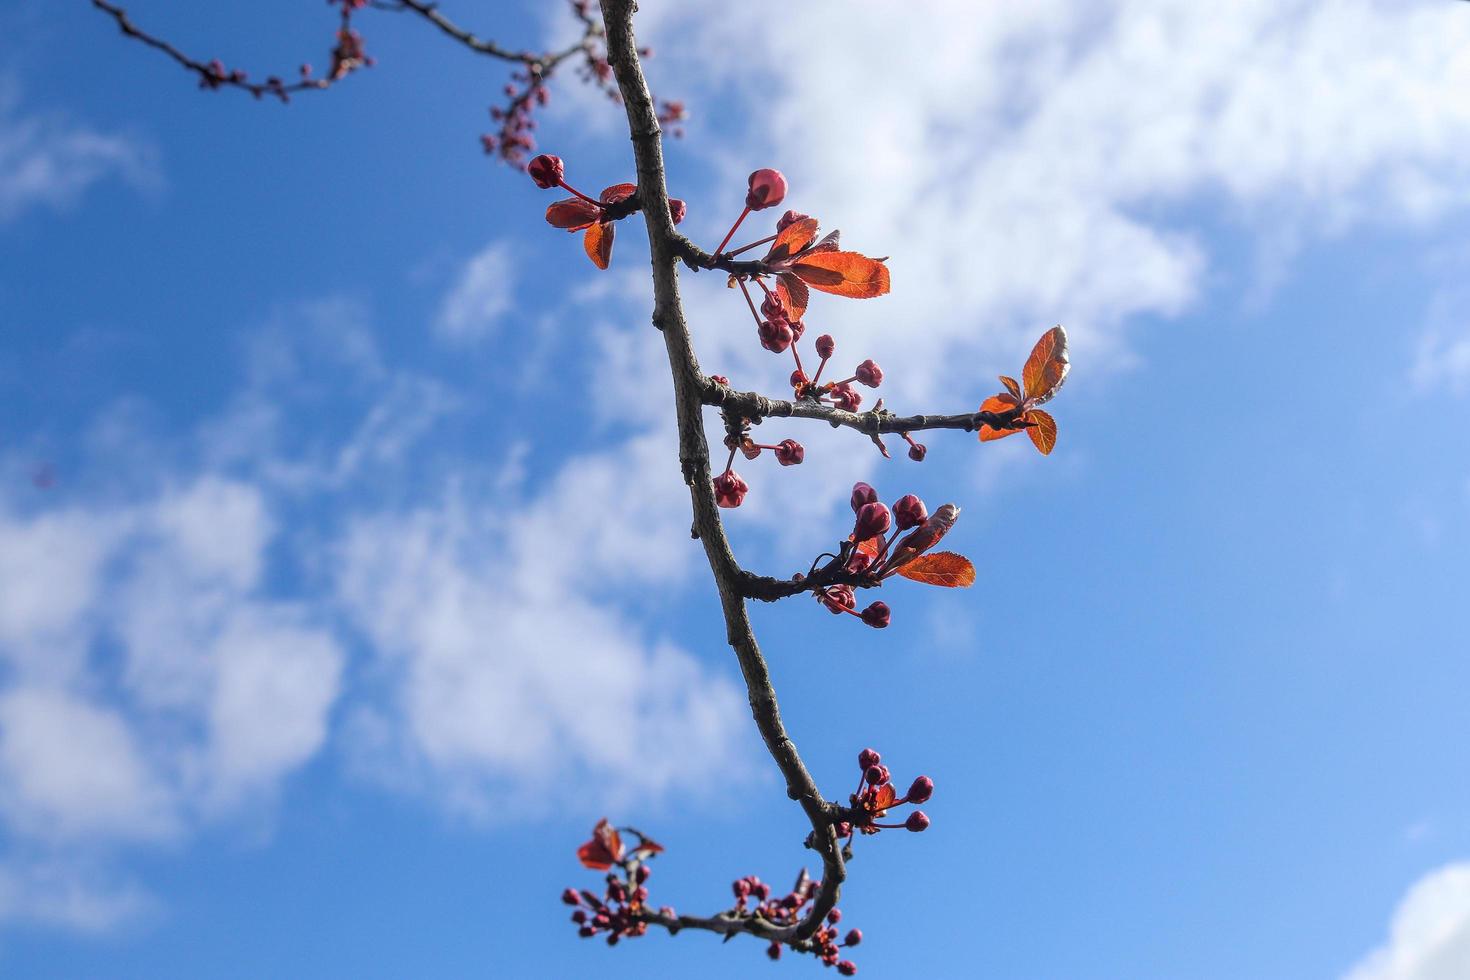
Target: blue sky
(344,569)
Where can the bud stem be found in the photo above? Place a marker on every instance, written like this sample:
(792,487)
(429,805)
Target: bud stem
(728,235)
(569,188)
(747,248)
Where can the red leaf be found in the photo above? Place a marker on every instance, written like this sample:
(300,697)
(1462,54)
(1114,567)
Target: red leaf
(617,192)
(1012,385)
(599,242)
(1043,430)
(997,404)
(943,568)
(1047,366)
(792,239)
(868,546)
(573,214)
(884,799)
(604,849)
(794,294)
(843,274)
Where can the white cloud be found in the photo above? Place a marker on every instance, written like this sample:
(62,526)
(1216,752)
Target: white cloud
(1429,938)
(56,892)
(482,295)
(1442,357)
(49,161)
(1027,164)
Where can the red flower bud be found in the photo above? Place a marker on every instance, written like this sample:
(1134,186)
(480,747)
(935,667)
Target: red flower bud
(877,615)
(869,373)
(586,932)
(874,775)
(640,894)
(788,219)
(917,452)
(843,829)
(741,888)
(721,379)
(789,452)
(767,189)
(921,790)
(847,968)
(917,822)
(774,951)
(547,171)
(909,511)
(798,328)
(854,937)
(846,397)
(643,873)
(838,598)
(571,897)
(862,494)
(580,917)
(798,378)
(872,520)
(677,209)
(730,490)
(776,335)
(834,916)
(868,758)
(825,346)
(772,308)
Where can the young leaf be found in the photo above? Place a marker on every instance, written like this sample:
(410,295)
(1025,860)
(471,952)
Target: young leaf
(599,242)
(943,568)
(795,237)
(997,404)
(617,192)
(794,294)
(573,214)
(843,274)
(1043,430)
(1047,366)
(1012,385)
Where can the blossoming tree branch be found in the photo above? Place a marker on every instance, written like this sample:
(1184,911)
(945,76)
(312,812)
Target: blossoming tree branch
(776,288)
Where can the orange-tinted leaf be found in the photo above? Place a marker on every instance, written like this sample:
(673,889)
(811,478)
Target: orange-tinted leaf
(794,294)
(884,798)
(844,274)
(828,243)
(1043,430)
(997,404)
(795,237)
(944,568)
(1012,385)
(599,242)
(617,192)
(869,547)
(1047,366)
(573,214)
(604,849)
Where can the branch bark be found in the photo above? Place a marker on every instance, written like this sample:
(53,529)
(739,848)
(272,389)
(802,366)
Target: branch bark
(690,385)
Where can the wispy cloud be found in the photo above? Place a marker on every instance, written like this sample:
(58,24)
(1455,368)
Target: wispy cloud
(481,295)
(49,161)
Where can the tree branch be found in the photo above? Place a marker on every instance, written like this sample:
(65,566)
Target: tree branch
(877,421)
(690,385)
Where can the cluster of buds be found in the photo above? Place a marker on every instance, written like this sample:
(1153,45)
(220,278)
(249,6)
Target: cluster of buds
(875,796)
(596,215)
(620,910)
(887,541)
(753,898)
(730,489)
(841,394)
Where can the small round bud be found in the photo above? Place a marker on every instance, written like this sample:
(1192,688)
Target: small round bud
(547,171)
(612,940)
(917,452)
(825,346)
(730,490)
(921,790)
(767,189)
(838,598)
(580,917)
(741,888)
(772,308)
(843,829)
(776,335)
(789,452)
(797,328)
(847,968)
(798,378)
(874,775)
(759,888)
(571,897)
(884,770)
(643,873)
(846,397)
(877,615)
(788,219)
(854,937)
(862,494)
(586,932)
(720,379)
(869,373)
(834,916)
(909,511)
(872,520)
(868,758)
(677,209)
(917,822)
(640,894)
(774,951)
